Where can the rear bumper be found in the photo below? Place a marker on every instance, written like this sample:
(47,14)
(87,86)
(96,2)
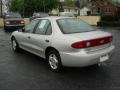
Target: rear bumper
(81,59)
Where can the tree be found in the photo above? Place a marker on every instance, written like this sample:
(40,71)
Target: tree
(30,6)
(16,5)
(77,3)
(69,3)
(81,3)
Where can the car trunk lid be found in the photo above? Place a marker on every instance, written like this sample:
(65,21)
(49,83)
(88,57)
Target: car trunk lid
(89,35)
(88,40)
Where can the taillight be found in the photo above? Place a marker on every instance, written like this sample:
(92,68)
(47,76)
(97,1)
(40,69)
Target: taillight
(92,42)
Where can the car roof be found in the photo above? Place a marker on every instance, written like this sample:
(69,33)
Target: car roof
(54,17)
(40,13)
(12,15)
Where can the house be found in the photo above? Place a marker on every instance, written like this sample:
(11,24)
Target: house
(69,6)
(74,10)
(71,9)
(65,7)
(84,11)
(105,7)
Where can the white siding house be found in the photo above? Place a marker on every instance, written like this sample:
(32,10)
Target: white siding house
(83,11)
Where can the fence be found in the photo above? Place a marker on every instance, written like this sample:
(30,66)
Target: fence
(92,20)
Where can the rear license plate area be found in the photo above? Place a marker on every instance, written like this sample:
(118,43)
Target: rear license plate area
(104,57)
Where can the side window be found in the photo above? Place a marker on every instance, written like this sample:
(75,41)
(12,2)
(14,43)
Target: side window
(49,30)
(30,27)
(43,27)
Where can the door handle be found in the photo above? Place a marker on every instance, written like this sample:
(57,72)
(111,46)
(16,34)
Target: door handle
(47,41)
(28,37)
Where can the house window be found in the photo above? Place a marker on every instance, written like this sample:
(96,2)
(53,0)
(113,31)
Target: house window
(98,10)
(66,10)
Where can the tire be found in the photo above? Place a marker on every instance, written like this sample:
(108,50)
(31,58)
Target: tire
(54,61)
(15,45)
(97,65)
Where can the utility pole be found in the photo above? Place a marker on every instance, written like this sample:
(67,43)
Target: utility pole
(79,7)
(117,8)
(1,8)
(43,6)
(23,8)
(77,3)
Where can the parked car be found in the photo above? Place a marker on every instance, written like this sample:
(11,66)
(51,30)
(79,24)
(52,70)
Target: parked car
(64,41)
(13,21)
(38,15)
(67,14)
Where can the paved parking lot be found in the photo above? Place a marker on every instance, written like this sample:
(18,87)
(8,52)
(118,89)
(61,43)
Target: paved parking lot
(25,71)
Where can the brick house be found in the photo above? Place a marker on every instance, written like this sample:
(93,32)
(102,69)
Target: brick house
(105,7)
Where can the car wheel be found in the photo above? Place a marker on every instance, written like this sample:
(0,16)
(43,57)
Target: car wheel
(97,65)
(15,45)
(54,61)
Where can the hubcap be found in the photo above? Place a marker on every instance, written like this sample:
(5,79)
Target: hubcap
(53,61)
(14,45)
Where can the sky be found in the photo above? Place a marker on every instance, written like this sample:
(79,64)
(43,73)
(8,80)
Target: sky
(116,1)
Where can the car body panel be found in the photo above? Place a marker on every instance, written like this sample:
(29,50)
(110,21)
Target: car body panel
(38,43)
(80,59)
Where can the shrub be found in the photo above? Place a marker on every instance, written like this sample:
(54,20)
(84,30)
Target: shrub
(109,18)
(110,24)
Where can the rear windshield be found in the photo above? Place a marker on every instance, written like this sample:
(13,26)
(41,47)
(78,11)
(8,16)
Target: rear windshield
(13,15)
(73,25)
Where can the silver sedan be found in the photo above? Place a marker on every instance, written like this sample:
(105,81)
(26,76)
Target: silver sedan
(64,41)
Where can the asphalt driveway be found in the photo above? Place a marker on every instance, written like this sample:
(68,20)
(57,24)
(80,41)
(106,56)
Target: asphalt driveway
(25,71)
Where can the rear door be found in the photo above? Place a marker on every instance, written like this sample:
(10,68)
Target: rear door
(41,38)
